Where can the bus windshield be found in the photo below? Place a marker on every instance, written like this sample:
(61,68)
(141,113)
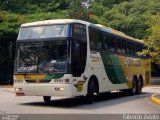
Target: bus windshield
(42,57)
(41,32)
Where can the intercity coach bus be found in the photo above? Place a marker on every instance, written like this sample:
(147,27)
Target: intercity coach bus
(68,57)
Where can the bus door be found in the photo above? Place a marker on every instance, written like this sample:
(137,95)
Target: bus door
(79,50)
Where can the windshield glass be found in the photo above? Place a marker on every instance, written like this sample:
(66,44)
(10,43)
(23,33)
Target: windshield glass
(38,32)
(42,57)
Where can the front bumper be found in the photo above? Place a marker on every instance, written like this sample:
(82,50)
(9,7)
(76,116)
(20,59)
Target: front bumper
(44,89)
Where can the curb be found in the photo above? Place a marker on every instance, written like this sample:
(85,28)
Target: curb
(8,91)
(6,86)
(155,99)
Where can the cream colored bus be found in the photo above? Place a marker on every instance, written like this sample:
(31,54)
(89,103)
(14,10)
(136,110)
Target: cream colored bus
(67,57)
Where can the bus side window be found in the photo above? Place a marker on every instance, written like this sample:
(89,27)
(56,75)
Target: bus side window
(107,42)
(113,44)
(79,32)
(131,48)
(121,46)
(139,47)
(91,38)
(99,45)
(95,39)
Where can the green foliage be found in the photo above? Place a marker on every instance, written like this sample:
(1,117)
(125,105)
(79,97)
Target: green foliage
(109,3)
(98,9)
(130,17)
(153,40)
(77,10)
(32,6)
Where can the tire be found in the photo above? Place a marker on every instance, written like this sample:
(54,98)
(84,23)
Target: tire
(90,94)
(47,98)
(134,90)
(140,85)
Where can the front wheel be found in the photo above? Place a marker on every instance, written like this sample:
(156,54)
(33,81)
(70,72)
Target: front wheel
(47,98)
(90,94)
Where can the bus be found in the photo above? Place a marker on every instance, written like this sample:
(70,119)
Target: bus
(69,57)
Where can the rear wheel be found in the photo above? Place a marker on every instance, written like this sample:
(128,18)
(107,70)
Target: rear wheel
(47,98)
(134,89)
(140,85)
(90,94)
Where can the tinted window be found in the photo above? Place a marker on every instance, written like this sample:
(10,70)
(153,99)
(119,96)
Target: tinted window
(121,45)
(113,44)
(95,39)
(139,47)
(79,32)
(79,50)
(131,48)
(107,42)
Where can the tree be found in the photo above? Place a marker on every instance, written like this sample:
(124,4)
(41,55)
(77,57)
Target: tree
(130,16)
(109,3)
(153,40)
(98,9)
(77,10)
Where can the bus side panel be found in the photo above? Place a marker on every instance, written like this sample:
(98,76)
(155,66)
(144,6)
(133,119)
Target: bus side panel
(112,71)
(107,68)
(147,71)
(135,66)
(113,68)
(120,69)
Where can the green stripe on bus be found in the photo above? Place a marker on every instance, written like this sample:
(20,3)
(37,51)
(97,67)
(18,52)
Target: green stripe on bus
(113,68)
(55,76)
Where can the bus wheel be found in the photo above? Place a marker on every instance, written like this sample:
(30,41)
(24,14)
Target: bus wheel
(90,94)
(134,89)
(140,85)
(47,98)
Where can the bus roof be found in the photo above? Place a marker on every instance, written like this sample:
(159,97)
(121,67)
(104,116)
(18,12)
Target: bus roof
(55,21)
(97,26)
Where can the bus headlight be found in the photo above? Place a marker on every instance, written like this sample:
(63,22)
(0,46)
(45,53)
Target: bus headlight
(18,89)
(59,89)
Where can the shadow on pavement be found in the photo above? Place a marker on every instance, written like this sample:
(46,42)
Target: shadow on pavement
(107,98)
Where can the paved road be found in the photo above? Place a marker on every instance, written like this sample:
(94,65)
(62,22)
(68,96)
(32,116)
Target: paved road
(115,103)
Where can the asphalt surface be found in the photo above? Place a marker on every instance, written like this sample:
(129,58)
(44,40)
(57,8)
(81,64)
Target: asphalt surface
(111,106)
